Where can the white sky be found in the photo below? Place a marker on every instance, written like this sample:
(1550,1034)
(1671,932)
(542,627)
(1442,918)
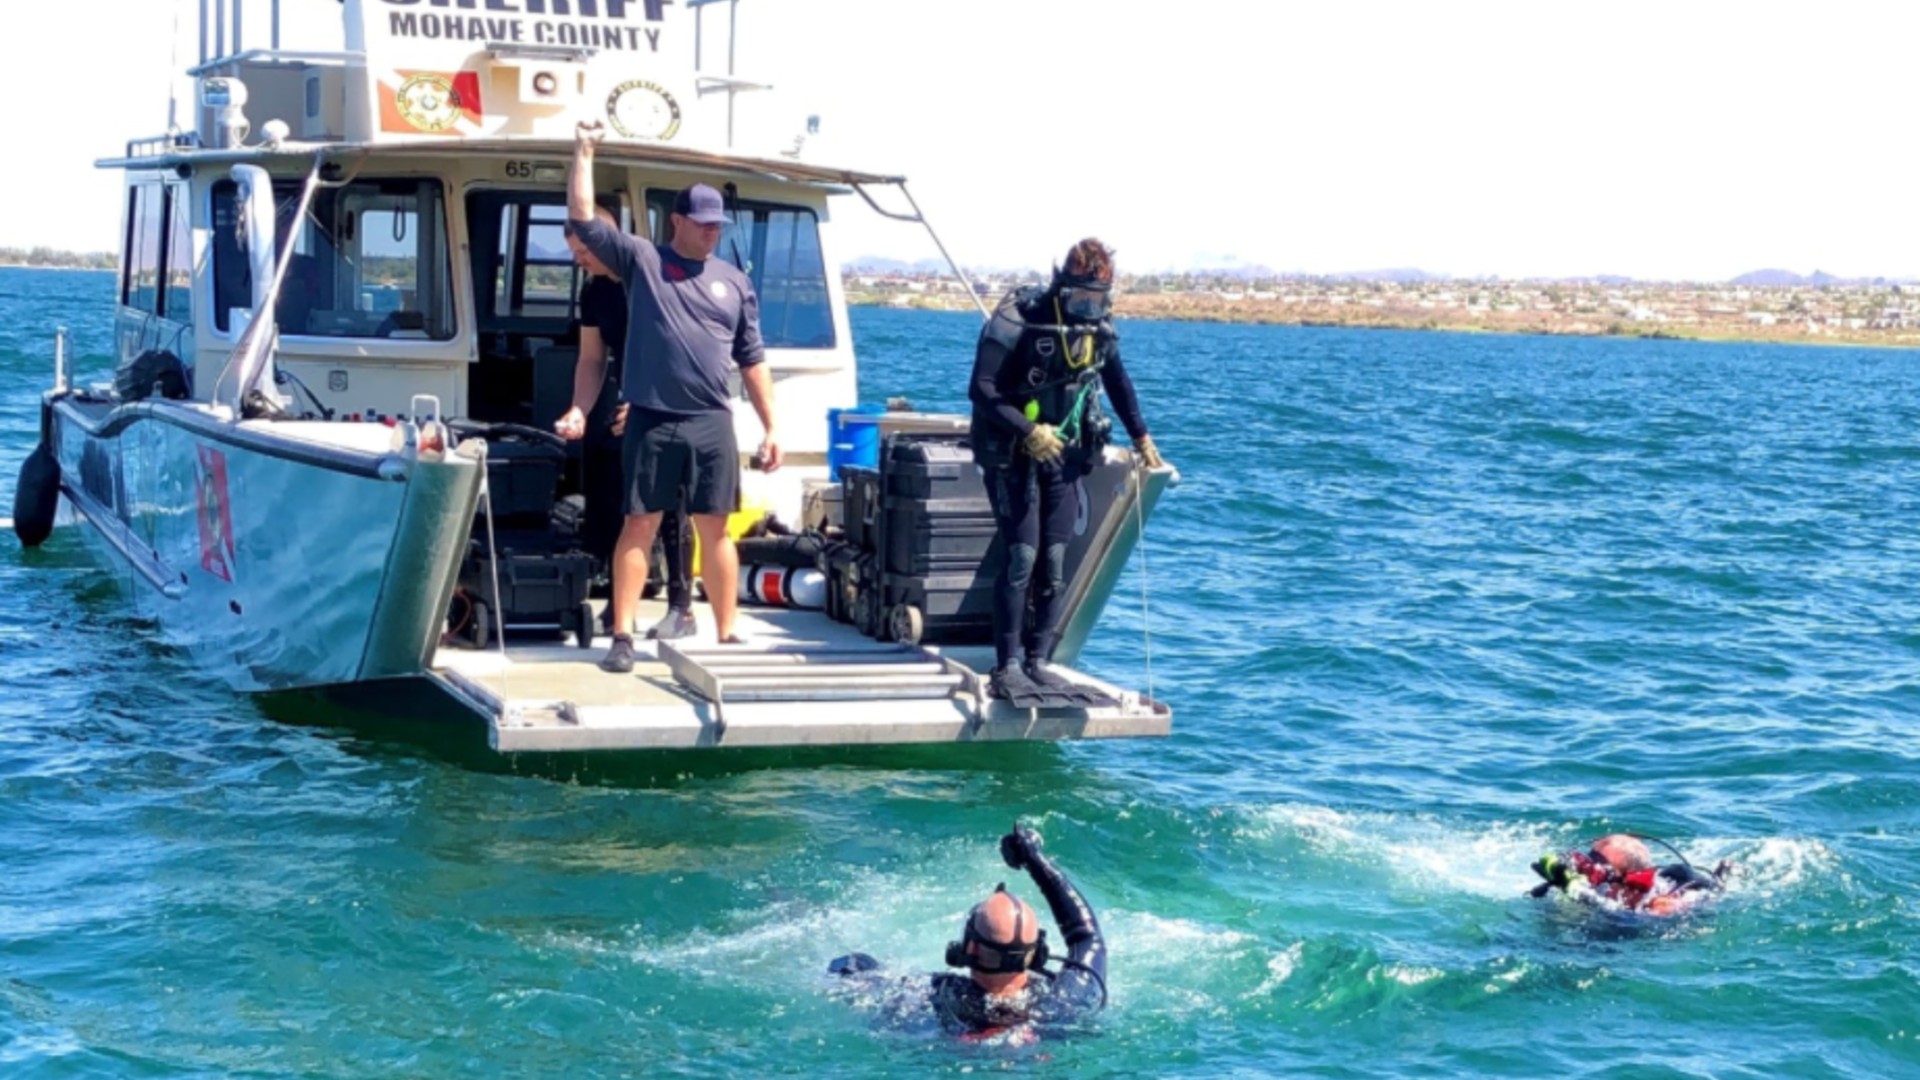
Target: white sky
(1698,139)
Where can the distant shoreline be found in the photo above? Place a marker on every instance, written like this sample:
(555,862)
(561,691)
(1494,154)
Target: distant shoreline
(1204,308)
(1245,311)
(69,269)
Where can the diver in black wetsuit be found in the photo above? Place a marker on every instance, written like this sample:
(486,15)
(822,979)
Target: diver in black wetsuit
(1037,429)
(1003,947)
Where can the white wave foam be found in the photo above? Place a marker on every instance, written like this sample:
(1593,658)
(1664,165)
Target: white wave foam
(1483,860)
(1493,860)
(1773,865)
(1410,974)
(1280,968)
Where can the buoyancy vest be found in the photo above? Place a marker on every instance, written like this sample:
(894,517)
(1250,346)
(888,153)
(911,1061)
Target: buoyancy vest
(1052,370)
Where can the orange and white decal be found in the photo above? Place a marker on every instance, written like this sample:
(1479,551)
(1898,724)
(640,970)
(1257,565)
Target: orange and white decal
(431,103)
(215,514)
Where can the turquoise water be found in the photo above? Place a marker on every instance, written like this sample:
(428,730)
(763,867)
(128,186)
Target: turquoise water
(1426,605)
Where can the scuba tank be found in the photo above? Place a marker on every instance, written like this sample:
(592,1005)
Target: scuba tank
(784,586)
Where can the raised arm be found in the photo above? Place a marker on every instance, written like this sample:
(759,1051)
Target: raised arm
(616,249)
(1084,975)
(580,178)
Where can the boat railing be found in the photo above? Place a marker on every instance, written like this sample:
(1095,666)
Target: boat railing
(275,58)
(162,145)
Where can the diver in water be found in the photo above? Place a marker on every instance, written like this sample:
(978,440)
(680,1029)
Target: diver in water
(1003,950)
(1619,870)
(1037,429)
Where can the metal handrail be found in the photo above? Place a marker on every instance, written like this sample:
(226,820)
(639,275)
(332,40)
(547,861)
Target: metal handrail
(275,56)
(918,217)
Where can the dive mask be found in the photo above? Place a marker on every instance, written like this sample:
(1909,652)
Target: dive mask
(997,957)
(1087,301)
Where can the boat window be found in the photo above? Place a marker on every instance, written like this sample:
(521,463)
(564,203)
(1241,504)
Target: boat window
(179,305)
(369,261)
(531,273)
(146,222)
(779,248)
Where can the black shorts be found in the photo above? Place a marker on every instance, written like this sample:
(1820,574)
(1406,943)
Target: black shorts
(668,457)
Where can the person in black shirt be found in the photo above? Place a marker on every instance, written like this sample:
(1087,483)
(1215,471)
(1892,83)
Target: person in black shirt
(1004,950)
(1037,428)
(598,416)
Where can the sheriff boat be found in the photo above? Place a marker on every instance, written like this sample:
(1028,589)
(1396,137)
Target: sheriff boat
(344,252)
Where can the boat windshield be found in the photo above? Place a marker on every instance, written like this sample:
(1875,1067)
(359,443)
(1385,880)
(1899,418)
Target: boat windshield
(370,261)
(779,248)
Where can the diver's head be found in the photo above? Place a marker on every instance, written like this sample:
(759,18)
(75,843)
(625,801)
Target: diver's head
(1084,282)
(1624,854)
(1000,942)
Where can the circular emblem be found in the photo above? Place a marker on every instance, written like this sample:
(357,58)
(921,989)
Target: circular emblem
(719,290)
(1036,376)
(643,110)
(428,102)
(1044,346)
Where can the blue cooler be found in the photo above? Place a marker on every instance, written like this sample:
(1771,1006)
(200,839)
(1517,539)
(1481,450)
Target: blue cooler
(853,438)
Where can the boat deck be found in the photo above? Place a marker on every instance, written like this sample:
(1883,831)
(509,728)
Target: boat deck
(802,679)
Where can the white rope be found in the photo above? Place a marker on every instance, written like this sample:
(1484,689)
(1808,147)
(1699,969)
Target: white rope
(493,565)
(1140,545)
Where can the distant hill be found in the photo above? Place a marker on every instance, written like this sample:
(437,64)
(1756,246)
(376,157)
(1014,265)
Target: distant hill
(1780,278)
(1402,275)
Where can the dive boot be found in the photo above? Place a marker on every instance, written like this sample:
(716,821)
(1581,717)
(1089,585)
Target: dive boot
(1011,685)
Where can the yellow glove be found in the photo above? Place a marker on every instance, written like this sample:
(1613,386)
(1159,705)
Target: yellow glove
(1148,453)
(1044,444)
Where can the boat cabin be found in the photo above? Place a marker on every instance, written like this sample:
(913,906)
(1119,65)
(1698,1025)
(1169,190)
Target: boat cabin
(431,256)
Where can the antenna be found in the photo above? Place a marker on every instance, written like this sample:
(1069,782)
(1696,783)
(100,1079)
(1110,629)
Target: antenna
(173,75)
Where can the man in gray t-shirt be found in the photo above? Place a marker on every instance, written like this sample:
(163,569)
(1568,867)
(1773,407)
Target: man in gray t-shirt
(693,321)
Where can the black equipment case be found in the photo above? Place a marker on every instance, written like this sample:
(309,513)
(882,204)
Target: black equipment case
(922,549)
(543,577)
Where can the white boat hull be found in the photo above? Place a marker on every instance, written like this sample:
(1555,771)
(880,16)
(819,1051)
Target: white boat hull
(279,562)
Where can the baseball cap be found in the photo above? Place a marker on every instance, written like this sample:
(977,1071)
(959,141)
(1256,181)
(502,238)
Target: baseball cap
(702,205)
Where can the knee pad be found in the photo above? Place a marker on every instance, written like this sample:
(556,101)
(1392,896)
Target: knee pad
(1020,560)
(1056,569)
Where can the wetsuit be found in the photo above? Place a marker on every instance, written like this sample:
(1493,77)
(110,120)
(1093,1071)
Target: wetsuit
(1029,353)
(1665,891)
(1074,992)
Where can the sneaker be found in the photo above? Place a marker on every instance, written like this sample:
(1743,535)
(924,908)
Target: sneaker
(1009,682)
(619,659)
(676,623)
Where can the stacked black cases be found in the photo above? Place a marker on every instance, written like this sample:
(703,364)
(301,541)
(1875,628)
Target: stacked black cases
(852,566)
(542,577)
(937,544)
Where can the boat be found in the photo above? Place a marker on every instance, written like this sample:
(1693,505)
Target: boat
(344,285)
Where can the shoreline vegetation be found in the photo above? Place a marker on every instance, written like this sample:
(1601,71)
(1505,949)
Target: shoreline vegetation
(1831,313)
